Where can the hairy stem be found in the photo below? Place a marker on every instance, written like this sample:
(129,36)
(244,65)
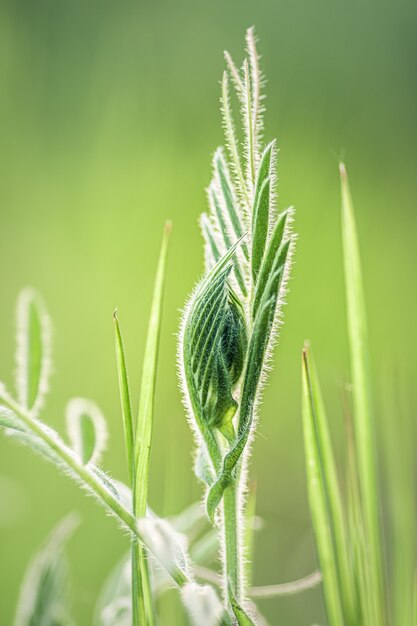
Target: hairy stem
(86,476)
(232,552)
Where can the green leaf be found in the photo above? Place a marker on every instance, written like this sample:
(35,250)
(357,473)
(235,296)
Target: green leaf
(212,252)
(211,356)
(262,209)
(242,617)
(87,430)
(230,135)
(219,215)
(143,434)
(260,225)
(124,396)
(33,352)
(44,596)
(362,402)
(314,425)
(230,202)
(10,421)
(258,344)
(275,247)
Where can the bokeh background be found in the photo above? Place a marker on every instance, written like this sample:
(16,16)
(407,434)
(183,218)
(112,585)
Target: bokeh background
(108,117)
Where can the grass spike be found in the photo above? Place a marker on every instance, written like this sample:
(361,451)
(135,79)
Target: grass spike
(362,401)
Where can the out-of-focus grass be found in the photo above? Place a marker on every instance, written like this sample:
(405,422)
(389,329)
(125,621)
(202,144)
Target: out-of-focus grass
(107,112)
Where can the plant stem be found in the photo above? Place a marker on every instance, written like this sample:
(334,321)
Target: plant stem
(86,476)
(232,561)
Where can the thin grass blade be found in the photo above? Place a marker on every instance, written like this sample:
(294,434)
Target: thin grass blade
(144,427)
(318,498)
(362,400)
(124,396)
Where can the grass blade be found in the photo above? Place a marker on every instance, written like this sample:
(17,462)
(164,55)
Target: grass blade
(143,435)
(362,402)
(124,396)
(319,495)
(144,427)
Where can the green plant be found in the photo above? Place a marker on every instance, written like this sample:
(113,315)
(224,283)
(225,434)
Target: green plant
(228,331)
(363,584)
(231,321)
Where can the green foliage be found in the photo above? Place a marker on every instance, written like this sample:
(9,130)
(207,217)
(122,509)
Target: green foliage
(228,331)
(351,547)
(231,320)
(44,596)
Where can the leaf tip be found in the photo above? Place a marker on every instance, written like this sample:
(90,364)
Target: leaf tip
(342,171)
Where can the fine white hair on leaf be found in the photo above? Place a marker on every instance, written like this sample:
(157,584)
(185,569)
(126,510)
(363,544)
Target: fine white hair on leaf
(257,81)
(166,544)
(247,117)
(87,430)
(202,603)
(33,350)
(232,144)
(234,73)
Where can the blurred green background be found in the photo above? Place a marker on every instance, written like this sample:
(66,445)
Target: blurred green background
(108,117)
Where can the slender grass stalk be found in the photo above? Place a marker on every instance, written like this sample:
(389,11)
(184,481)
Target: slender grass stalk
(124,397)
(347,526)
(362,402)
(137,595)
(144,426)
(320,498)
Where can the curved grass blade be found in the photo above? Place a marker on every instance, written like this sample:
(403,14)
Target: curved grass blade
(362,400)
(331,488)
(124,396)
(319,496)
(33,352)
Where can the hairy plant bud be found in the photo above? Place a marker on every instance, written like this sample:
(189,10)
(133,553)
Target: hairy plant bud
(214,348)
